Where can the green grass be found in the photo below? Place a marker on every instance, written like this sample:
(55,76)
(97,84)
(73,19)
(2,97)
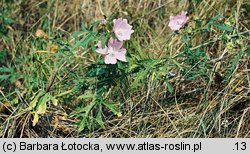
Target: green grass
(53,84)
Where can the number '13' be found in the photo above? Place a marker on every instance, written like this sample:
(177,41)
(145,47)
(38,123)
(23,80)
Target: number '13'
(241,146)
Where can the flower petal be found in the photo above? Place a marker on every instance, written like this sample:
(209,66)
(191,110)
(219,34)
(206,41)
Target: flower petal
(176,22)
(103,51)
(109,59)
(122,29)
(115,43)
(121,55)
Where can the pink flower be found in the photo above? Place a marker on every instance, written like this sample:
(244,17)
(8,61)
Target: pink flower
(122,29)
(104,21)
(112,52)
(176,22)
(171,74)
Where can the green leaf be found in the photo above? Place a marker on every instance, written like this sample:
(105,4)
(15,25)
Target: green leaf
(86,96)
(54,100)
(170,89)
(83,110)
(82,124)
(42,106)
(35,119)
(85,41)
(85,28)
(76,35)
(99,118)
(223,27)
(33,103)
(94,24)
(64,93)
(234,64)
(248,50)
(4,77)
(79,111)
(112,106)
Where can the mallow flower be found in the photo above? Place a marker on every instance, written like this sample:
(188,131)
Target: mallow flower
(112,52)
(104,21)
(122,29)
(176,22)
(171,74)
